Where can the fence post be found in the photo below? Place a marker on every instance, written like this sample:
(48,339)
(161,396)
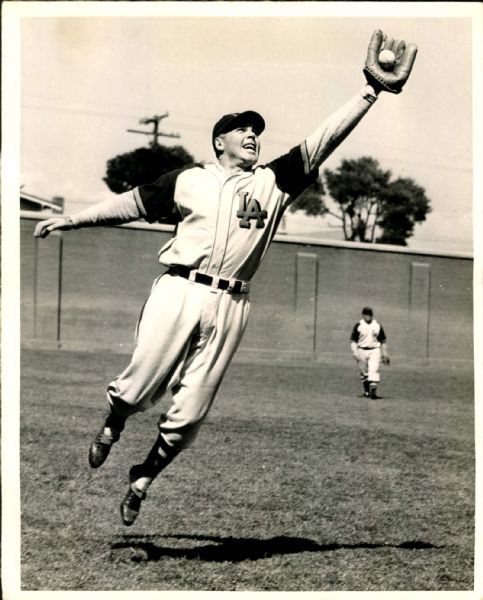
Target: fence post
(48,289)
(419,303)
(59,290)
(306,270)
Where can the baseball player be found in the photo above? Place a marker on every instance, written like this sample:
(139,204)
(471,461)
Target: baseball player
(227,213)
(369,347)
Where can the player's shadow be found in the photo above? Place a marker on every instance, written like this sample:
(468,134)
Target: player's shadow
(231,549)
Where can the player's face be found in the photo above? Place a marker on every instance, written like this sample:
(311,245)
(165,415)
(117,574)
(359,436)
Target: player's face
(367,318)
(240,146)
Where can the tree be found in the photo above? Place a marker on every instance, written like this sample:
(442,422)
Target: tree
(311,200)
(143,165)
(369,206)
(404,204)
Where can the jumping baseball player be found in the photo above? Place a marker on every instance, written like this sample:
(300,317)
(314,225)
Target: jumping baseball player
(196,312)
(369,347)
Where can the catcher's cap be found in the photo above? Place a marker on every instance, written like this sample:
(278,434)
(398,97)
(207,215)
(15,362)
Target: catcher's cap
(367,310)
(233,120)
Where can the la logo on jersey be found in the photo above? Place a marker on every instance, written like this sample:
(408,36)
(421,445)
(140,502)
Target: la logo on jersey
(249,211)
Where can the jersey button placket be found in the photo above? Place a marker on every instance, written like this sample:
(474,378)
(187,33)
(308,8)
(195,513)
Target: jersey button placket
(223,224)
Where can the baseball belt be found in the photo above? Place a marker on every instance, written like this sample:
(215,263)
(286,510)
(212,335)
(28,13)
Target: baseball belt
(233,286)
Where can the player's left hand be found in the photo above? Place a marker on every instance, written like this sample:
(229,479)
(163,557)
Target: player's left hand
(44,228)
(392,80)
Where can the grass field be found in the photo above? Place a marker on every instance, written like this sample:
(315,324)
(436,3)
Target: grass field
(295,483)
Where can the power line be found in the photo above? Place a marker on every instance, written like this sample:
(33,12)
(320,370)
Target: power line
(275,141)
(419,163)
(78,111)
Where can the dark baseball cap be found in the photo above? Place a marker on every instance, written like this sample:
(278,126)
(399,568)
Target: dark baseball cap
(367,310)
(233,120)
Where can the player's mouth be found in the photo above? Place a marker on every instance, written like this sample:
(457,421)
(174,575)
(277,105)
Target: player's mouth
(251,147)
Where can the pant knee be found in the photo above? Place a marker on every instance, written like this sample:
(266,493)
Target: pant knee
(178,435)
(122,406)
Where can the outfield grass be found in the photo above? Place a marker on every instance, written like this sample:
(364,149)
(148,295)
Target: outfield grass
(294,483)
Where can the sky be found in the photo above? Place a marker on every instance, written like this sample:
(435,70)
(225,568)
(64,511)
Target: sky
(86,79)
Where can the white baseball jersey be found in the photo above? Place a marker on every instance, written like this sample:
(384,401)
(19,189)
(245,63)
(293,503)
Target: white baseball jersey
(226,222)
(368,335)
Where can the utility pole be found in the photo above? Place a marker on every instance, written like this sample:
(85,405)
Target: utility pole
(155,133)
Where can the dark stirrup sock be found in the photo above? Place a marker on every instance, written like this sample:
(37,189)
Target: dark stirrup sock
(159,457)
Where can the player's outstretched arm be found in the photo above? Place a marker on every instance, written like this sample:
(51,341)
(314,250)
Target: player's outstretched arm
(120,209)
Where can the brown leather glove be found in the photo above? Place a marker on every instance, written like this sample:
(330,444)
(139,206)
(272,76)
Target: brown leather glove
(394,79)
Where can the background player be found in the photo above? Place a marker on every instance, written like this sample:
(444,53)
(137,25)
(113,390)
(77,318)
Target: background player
(196,313)
(368,346)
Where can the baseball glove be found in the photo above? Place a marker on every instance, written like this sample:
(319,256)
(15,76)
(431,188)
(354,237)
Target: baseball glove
(394,79)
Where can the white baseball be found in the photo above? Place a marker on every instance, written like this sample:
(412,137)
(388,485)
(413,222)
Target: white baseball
(387,58)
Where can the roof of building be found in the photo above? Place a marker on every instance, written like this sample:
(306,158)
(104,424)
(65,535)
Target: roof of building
(41,201)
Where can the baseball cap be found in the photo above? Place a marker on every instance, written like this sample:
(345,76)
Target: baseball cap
(367,310)
(233,120)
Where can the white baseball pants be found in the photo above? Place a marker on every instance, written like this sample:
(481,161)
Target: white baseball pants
(186,337)
(369,362)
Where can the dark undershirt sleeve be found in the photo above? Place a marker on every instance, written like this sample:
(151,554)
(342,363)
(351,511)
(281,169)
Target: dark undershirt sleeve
(355,333)
(291,172)
(381,337)
(157,198)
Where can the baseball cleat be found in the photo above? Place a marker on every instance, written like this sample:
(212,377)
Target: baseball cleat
(131,505)
(100,448)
